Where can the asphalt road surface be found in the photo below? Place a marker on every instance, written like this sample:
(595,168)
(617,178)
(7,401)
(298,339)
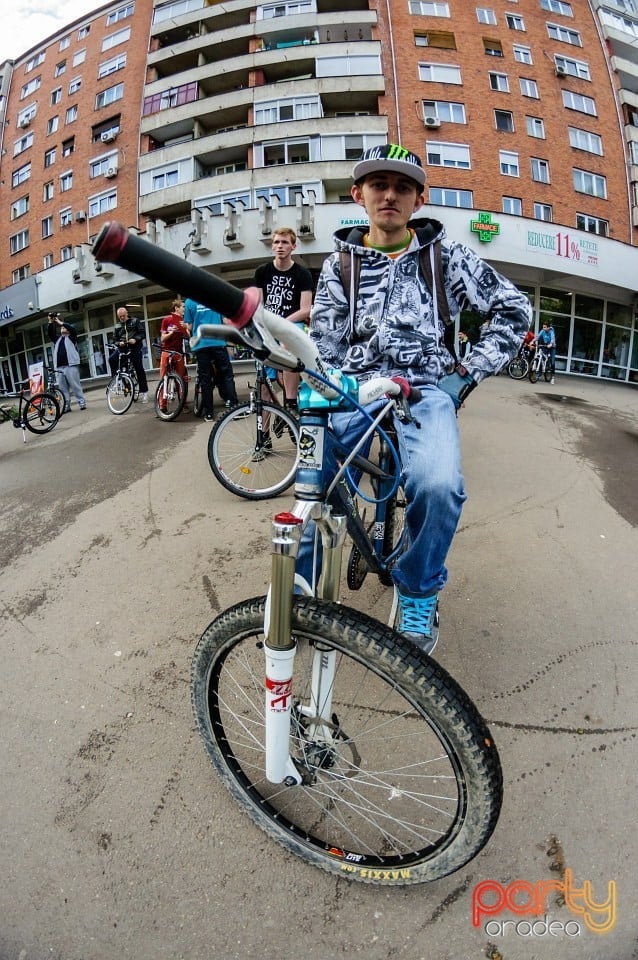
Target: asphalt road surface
(118,841)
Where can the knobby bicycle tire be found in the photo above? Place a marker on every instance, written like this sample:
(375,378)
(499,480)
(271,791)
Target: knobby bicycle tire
(120,393)
(408,789)
(170,397)
(533,372)
(518,368)
(548,373)
(41,413)
(244,468)
(198,400)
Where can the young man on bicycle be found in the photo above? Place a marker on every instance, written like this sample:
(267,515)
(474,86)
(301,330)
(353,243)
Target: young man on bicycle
(546,340)
(173,332)
(395,329)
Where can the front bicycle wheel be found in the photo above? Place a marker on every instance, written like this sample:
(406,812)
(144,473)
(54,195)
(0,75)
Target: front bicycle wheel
(245,467)
(41,413)
(402,786)
(548,373)
(198,400)
(533,371)
(517,368)
(170,396)
(119,393)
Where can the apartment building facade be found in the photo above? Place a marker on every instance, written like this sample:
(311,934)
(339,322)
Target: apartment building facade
(251,116)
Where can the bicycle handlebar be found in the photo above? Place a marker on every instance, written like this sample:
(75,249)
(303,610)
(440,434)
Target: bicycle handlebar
(269,336)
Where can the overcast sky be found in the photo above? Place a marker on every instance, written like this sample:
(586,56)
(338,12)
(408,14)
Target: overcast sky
(24,24)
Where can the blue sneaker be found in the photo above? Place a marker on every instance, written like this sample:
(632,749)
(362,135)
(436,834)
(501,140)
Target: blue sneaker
(419,620)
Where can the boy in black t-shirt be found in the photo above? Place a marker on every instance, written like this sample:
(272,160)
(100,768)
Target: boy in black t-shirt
(286,289)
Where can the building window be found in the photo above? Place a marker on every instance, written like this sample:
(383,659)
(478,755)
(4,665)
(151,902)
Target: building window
(435,38)
(47,227)
(49,157)
(71,114)
(543,211)
(564,35)
(288,151)
(19,241)
(448,155)
(514,22)
(575,68)
(175,97)
(30,87)
(102,203)
(59,68)
(110,95)
(167,178)
(271,10)
(111,66)
(277,111)
(535,127)
(508,163)
(592,183)
(583,140)
(529,88)
(504,120)
(513,205)
(65,42)
(122,36)
(68,147)
(22,273)
(451,198)
(557,6)
(22,144)
(66,253)
(499,81)
(66,217)
(126,11)
(47,261)
(75,85)
(493,48)
(83,32)
(48,191)
(424,9)
(66,182)
(20,207)
(592,224)
(79,57)
(485,15)
(447,111)
(439,73)
(56,96)
(34,61)
(52,125)
(522,54)
(98,168)
(21,175)
(574,101)
(540,170)
(347,66)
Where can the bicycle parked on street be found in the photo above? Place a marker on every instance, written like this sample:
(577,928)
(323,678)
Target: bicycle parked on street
(52,386)
(38,413)
(171,392)
(252,448)
(123,388)
(518,367)
(541,366)
(359,753)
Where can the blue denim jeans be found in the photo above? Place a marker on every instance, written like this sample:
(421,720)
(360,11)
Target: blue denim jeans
(433,483)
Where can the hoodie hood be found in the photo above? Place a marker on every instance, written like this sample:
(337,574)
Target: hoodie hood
(427,231)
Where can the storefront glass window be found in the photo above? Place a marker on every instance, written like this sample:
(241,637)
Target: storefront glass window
(555,301)
(590,307)
(615,353)
(618,314)
(586,347)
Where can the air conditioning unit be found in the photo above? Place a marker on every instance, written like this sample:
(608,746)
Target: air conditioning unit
(80,216)
(108,136)
(76,276)
(432,122)
(24,122)
(110,172)
(561,72)
(104,269)
(74,306)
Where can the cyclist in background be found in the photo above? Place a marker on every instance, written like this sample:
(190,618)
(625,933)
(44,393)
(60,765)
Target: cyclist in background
(396,330)
(130,332)
(546,340)
(211,355)
(173,332)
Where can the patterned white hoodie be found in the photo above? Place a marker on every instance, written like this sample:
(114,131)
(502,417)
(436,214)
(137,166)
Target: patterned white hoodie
(396,328)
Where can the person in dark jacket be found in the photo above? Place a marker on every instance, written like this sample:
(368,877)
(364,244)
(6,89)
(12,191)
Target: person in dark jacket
(130,332)
(66,360)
